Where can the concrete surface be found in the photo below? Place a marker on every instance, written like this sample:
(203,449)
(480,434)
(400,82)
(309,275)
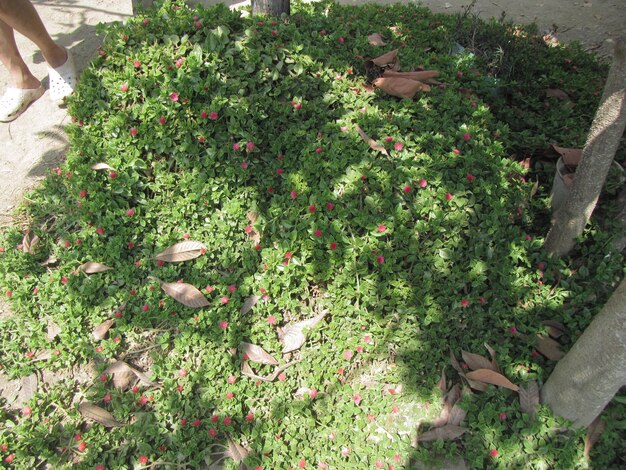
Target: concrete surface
(36,141)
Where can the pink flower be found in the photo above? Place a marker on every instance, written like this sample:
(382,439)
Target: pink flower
(130,212)
(449,196)
(288,255)
(250,146)
(356,398)
(203,114)
(302,463)
(318,150)
(367,339)
(482,300)
(318,233)
(493,453)
(236,147)
(280,171)
(227,420)
(224,300)
(380,259)
(406,189)
(347,354)
(467,136)
(502,416)
(398,146)
(143,460)
(185,236)
(345,451)
(162,120)
(212,432)
(382,228)
(282,377)
(313,393)
(513,330)
(230,395)
(388,139)
(179,62)
(293,194)
(456,151)
(271,320)
(232,288)
(464,303)
(124,87)
(174,97)
(137,64)
(312,208)
(250,417)
(423,183)
(133,131)
(470,177)
(332,246)
(223,325)
(330,206)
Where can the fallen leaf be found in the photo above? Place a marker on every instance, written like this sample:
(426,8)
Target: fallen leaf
(455,364)
(292,336)
(101,166)
(376,40)
(388,60)
(49,261)
(122,369)
(529,397)
(28,388)
(492,353)
(371,142)
(549,348)
(571,157)
(100,415)
(449,400)
(236,451)
(400,87)
(556,93)
(594,431)
(447,433)
(182,251)
(534,189)
(249,303)
(555,328)
(257,354)
(102,329)
(53,331)
(490,377)
(248,372)
(442,382)
(457,415)
(476,361)
(29,242)
(186,294)
(91,267)
(418,75)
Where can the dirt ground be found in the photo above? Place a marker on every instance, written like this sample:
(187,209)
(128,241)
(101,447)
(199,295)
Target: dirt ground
(36,141)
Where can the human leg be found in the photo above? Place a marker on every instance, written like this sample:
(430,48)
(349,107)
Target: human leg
(19,74)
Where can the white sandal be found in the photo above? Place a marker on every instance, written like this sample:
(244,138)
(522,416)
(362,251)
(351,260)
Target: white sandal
(63,80)
(15,101)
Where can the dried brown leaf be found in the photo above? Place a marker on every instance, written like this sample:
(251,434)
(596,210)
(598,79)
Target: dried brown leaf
(476,361)
(555,328)
(100,415)
(292,336)
(28,388)
(122,373)
(252,216)
(388,60)
(476,385)
(371,142)
(571,157)
(420,75)
(455,364)
(556,93)
(447,433)
(549,348)
(49,261)
(457,415)
(535,188)
(257,354)
(236,451)
(376,39)
(400,87)
(186,294)
(492,353)
(491,377)
(102,329)
(182,251)
(29,242)
(529,397)
(442,384)
(91,267)
(101,166)
(249,303)
(53,330)
(594,431)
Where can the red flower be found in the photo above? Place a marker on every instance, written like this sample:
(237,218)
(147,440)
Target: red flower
(513,330)
(223,325)
(146,307)
(456,151)
(236,147)
(227,420)
(100,231)
(133,131)
(313,393)
(449,196)
(231,379)
(174,97)
(493,452)
(406,189)
(143,460)
(388,139)
(293,194)
(347,354)
(341,40)
(382,228)
(64,280)
(470,177)
(230,395)
(280,171)
(380,259)
(27,411)
(9,458)
(332,246)
(249,146)
(398,146)
(312,208)
(224,300)
(99,467)
(212,432)
(107,398)
(271,320)
(318,233)
(137,64)
(464,303)
(502,416)
(203,114)
(467,136)
(124,87)
(250,417)
(302,463)
(130,212)
(330,206)
(214,419)
(82,446)
(359,349)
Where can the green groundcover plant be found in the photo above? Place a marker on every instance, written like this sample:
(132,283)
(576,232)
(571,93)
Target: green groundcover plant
(217,193)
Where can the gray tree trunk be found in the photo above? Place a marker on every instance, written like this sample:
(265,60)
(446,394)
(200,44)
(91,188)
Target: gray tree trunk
(592,372)
(270,7)
(604,137)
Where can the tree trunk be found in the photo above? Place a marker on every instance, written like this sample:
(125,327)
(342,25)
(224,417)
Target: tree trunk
(270,7)
(604,137)
(592,372)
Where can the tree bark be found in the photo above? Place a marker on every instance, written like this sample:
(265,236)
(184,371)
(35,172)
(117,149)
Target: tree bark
(592,372)
(270,7)
(604,137)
